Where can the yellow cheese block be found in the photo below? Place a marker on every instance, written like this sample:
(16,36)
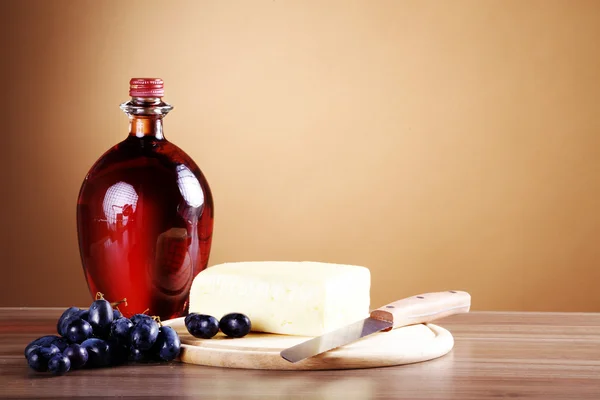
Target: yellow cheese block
(286,297)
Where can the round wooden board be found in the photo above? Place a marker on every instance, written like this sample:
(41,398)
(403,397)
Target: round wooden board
(261,350)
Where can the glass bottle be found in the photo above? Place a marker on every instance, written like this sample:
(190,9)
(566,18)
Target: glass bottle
(145,214)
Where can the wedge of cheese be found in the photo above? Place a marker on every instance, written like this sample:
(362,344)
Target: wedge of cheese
(285,297)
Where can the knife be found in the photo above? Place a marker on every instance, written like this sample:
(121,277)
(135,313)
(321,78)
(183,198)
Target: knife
(410,311)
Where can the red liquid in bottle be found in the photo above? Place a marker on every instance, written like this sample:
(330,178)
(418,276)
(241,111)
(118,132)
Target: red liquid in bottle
(145,218)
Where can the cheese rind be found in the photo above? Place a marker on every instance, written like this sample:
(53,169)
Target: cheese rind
(286,297)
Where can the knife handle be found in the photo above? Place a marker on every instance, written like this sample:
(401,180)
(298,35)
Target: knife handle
(423,308)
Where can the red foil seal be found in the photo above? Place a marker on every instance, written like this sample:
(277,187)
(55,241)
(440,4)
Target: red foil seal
(146,87)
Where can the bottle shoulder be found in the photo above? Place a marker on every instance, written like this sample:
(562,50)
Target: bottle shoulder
(143,152)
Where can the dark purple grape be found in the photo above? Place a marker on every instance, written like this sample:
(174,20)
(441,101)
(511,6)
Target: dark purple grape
(137,318)
(201,325)
(49,351)
(120,330)
(30,349)
(144,334)
(70,312)
(37,343)
(168,345)
(65,323)
(61,343)
(84,314)
(98,352)
(117,314)
(36,361)
(235,325)
(77,355)
(137,355)
(100,317)
(59,364)
(43,341)
(79,330)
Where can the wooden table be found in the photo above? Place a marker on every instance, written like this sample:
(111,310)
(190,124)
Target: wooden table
(496,355)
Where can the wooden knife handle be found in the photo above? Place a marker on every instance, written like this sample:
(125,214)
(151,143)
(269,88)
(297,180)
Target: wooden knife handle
(423,308)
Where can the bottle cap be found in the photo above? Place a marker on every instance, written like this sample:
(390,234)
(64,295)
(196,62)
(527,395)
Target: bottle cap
(146,87)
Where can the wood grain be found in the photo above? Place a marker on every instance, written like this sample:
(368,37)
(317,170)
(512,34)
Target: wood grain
(496,355)
(406,345)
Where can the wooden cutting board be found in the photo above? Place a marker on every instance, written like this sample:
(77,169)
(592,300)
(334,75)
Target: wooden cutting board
(405,345)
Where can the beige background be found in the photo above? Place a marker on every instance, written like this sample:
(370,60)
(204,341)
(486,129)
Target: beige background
(443,144)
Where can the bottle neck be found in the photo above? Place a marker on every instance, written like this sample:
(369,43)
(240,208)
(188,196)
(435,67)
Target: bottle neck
(141,125)
(146,116)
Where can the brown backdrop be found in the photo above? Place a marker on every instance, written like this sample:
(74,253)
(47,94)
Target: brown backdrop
(450,144)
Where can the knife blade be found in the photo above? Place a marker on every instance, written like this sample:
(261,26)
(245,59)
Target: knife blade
(413,310)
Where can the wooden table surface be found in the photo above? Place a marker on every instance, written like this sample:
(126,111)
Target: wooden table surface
(496,355)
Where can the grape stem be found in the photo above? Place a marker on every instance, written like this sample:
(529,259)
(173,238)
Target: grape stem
(118,303)
(100,296)
(157,319)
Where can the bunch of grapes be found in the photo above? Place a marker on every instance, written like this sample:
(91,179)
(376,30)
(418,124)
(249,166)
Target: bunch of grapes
(101,337)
